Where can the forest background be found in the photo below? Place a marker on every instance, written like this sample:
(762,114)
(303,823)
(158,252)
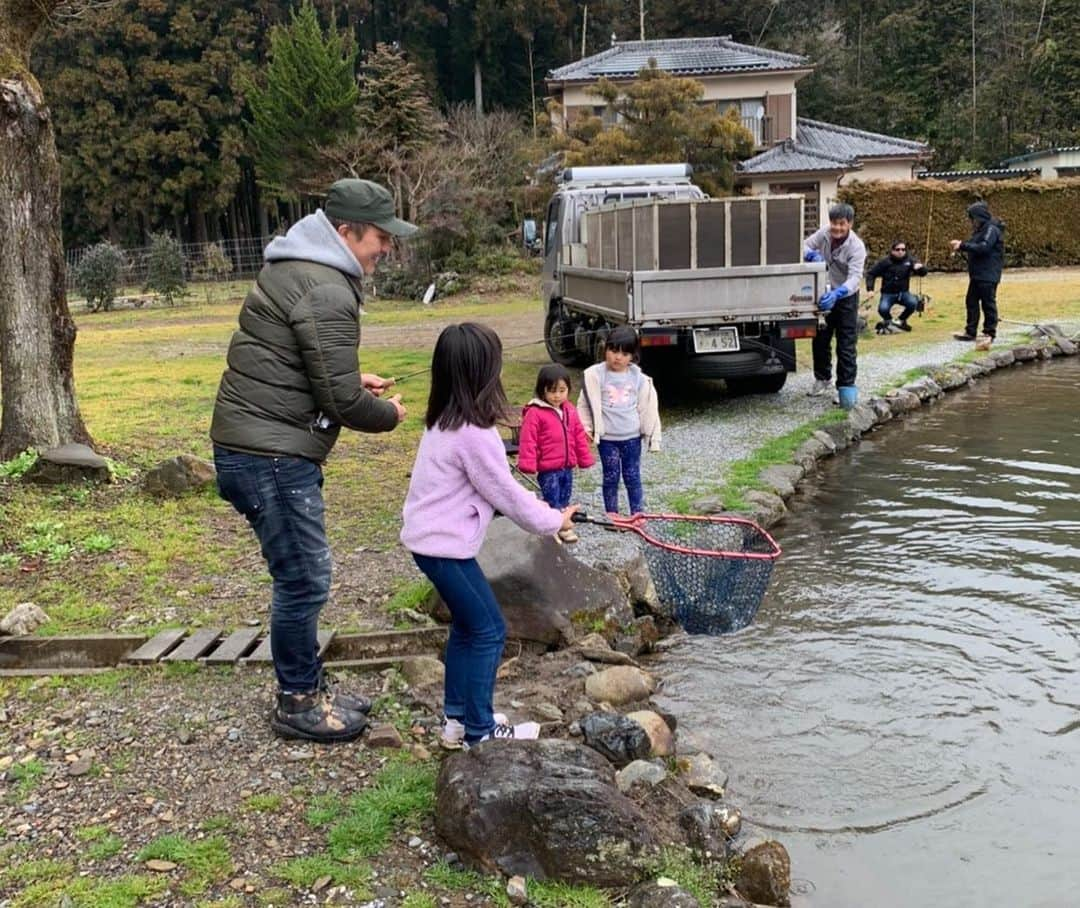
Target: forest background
(224,119)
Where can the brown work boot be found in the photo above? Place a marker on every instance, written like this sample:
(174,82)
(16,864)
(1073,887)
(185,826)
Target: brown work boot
(316,717)
(354,703)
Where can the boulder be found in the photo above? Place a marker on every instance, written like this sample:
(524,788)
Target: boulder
(423,671)
(640,772)
(179,475)
(1002,358)
(827,440)
(703,826)
(782,478)
(1066,346)
(620,740)
(950,377)
(925,388)
(702,775)
(843,434)
(384,736)
(1025,353)
(882,410)
(766,509)
(541,587)
(661,740)
(809,453)
(620,684)
(68,463)
(643,594)
(545,809)
(901,401)
(24,619)
(661,893)
(640,637)
(596,649)
(862,418)
(765,873)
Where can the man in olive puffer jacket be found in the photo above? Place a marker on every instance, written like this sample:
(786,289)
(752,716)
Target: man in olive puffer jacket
(293,381)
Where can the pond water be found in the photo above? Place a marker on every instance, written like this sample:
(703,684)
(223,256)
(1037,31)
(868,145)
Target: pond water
(904,715)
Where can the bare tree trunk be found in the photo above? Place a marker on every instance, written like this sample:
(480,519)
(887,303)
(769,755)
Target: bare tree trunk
(478,87)
(37,334)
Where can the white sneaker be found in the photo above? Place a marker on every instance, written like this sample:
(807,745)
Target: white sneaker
(453,732)
(523,731)
(821,386)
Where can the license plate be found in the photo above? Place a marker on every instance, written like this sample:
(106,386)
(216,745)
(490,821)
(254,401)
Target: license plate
(716,340)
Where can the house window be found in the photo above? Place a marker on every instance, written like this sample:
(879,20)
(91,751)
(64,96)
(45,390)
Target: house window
(752,114)
(607,114)
(811,194)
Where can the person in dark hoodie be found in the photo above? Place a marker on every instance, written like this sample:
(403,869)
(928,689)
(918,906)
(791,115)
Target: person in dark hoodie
(895,271)
(293,381)
(985,251)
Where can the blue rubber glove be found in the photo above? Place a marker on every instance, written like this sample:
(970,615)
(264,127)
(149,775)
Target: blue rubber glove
(830,299)
(812,255)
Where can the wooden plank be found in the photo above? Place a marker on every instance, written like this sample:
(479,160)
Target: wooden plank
(158,645)
(262,651)
(234,646)
(195,645)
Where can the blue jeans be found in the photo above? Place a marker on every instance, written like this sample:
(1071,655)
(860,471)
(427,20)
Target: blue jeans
(622,457)
(281,497)
(475,644)
(556,486)
(888,300)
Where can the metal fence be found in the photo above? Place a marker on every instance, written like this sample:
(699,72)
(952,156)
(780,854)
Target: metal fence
(243,256)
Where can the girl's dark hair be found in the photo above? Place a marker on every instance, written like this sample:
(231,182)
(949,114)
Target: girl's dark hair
(465,385)
(549,376)
(622,339)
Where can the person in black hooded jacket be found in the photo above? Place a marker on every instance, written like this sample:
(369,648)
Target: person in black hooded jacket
(985,257)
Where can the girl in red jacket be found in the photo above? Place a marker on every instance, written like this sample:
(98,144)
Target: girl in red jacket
(553,441)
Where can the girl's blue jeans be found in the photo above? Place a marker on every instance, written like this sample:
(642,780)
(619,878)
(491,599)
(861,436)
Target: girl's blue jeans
(622,458)
(475,644)
(556,486)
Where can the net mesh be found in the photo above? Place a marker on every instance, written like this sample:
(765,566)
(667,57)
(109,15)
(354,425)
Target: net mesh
(710,594)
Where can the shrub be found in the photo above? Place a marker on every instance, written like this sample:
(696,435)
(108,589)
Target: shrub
(99,274)
(165,268)
(214,265)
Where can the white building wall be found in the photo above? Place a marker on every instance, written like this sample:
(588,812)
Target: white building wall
(884,171)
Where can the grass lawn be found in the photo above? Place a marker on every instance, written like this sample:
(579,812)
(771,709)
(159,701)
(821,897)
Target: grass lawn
(146,379)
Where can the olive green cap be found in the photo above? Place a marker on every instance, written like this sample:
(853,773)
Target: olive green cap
(367,203)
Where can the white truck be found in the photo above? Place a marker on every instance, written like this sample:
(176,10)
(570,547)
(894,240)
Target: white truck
(716,288)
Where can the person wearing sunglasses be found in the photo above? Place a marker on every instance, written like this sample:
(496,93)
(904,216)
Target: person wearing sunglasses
(895,271)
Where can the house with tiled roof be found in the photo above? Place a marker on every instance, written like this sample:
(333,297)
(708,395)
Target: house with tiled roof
(795,154)
(1052,163)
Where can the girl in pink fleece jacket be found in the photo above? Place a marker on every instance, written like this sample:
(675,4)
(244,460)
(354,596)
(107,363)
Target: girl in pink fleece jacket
(460,478)
(553,440)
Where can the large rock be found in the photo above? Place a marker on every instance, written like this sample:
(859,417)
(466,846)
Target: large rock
(640,772)
(844,434)
(925,388)
(1024,353)
(423,671)
(24,619)
(661,893)
(901,401)
(782,478)
(68,464)
(702,775)
(541,588)
(862,418)
(545,809)
(179,475)
(1066,346)
(1002,358)
(618,739)
(661,739)
(810,452)
(882,410)
(766,509)
(643,593)
(703,826)
(765,874)
(620,684)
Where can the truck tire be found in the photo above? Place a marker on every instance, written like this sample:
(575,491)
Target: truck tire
(757,384)
(558,338)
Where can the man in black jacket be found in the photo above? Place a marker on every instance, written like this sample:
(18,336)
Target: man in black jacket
(895,271)
(293,381)
(985,257)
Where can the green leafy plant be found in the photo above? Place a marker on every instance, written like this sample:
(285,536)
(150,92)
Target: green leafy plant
(98,543)
(165,268)
(17,467)
(99,274)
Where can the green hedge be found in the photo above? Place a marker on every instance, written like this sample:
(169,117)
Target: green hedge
(1040,219)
